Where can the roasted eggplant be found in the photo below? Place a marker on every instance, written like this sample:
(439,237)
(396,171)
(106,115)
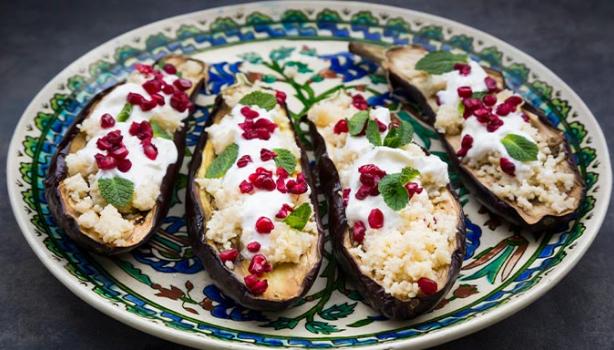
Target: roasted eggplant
(397,226)
(509,155)
(110,183)
(251,207)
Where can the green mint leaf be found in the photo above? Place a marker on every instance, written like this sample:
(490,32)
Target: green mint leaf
(298,217)
(373,133)
(520,148)
(399,135)
(408,174)
(285,159)
(223,162)
(439,62)
(479,94)
(260,99)
(395,195)
(357,122)
(158,131)
(117,191)
(124,114)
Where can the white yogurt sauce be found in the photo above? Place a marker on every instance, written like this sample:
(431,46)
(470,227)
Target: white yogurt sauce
(454,80)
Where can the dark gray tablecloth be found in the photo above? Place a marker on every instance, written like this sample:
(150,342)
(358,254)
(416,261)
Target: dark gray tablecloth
(38,38)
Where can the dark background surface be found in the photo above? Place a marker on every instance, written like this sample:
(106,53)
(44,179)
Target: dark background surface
(39,38)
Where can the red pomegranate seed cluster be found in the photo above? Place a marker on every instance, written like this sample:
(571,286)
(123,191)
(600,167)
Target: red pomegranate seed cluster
(266,154)
(376,219)
(341,126)
(246,187)
(259,265)
(244,160)
(264,225)
(229,255)
(491,85)
(255,285)
(284,211)
(412,188)
(427,286)
(116,152)
(370,175)
(358,232)
(466,144)
(260,129)
(380,126)
(156,86)
(359,102)
(480,108)
(263,179)
(249,113)
(507,166)
(144,132)
(463,68)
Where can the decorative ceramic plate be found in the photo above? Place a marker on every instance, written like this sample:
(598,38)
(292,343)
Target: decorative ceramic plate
(301,48)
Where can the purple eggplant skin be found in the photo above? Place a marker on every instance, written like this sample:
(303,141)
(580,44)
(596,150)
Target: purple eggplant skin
(58,172)
(224,279)
(416,103)
(373,293)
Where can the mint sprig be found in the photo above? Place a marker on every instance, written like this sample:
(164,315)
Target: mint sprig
(159,131)
(285,159)
(298,217)
(439,62)
(392,188)
(520,148)
(373,133)
(124,114)
(260,99)
(117,191)
(399,135)
(357,123)
(220,165)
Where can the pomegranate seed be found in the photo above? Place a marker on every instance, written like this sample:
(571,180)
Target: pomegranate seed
(107,121)
(169,68)
(242,162)
(281,185)
(376,218)
(461,152)
(168,89)
(467,141)
(266,154)
(505,109)
(263,123)
(143,68)
(229,254)
(179,102)
(148,105)
(120,152)
(284,211)
(264,182)
(463,68)
(264,225)
(513,100)
(253,246)
(296,188)
(150,150)
(525,117)
(249,113)
(371,169)
(367,179)
(374,191)
(114,137)
(507,166)
(346,196)
(246,187)
(282,173)
(105,162)
(254,285)
(182,84)
(280,96)
(464,91)
(158,99)
(259,265)
(300,177)
(494,124)
(491,84)
(261,170)
(341,126)
(489,100)
(134,98)
(482,114)
(471,104)
(124,165)
(363,192)
(152,86)
(142,130)
(103,144)
(412,188)
(358,233)
(427,286)
(359,102)
(380,126)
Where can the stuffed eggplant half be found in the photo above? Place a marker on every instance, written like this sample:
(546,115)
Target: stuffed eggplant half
(110,182)
(251,204)
(397,227)
(508,153)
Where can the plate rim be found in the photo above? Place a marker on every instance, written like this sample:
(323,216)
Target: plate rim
(448,333)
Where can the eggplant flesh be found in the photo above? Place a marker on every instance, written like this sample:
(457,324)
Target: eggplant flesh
(405,83)
(145,223)
(287,282)
(373,292)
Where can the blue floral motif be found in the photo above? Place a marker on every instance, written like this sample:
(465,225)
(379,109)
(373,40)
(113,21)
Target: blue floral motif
(349,66)
(226,308)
